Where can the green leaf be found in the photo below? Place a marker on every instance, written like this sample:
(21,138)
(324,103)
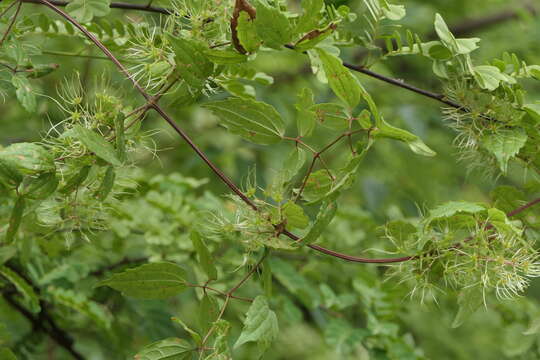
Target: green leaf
(255,121)
(339,334)
(331,116)
(294,162)
(24,92)
(85,10)
(28,157)
(167,349)
(120,136)
(311,15)
(533,110)
(400,233)
(534,327)
(97,144)
(466,46)
(15,219)
(225,57)
(393,12)
(294,214)
(194,335)
(364,119)
(439,52)
(260,324)
(192,63)
(247,33)
(444,33)
(342,82)
(7,354)
(207,313)
(386,130)
(324,217)
(305,119)
(30,297)
(514,342)
(76,180)
(107,184)
(505,144)
(205,258)
(507,198)
(40,187)
(80,303)
(6,253)
(295,282)
(500,221)
(273,27)
(9,173)
(313,38)
(347,174)
(150,281)
(221,350)
(453,207)
(318,184)
(489,77)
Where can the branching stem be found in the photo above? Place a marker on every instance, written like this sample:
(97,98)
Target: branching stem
(211,165)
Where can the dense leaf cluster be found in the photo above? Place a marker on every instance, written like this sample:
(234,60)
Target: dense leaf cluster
(95,242)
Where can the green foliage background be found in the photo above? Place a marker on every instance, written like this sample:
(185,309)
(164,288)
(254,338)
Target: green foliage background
(326,308)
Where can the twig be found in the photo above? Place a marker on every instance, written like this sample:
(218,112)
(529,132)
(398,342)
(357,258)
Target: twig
(7,9)
(230,293)
(12,22)
(248,275)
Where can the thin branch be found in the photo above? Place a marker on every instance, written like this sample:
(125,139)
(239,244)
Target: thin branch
(209,333)
(523,208)
(248,275)
(10,26)
(306,178)
(7,9)
(229,295)
(439,97)
(114,5)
